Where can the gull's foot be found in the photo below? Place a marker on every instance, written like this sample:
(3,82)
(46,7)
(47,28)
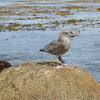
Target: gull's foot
(59,67)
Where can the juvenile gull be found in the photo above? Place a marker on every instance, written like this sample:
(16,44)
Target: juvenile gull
(59,46)
(74,33)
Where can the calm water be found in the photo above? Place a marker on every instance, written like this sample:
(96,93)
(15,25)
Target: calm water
(19,46)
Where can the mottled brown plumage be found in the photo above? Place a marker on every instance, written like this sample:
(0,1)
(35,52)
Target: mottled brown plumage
(59,46)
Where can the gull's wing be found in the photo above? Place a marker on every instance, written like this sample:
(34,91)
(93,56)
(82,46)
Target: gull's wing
(54,47)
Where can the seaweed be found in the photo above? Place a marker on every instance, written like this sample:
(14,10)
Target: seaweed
(63,13)
(74,7)
(98,9)
(49,13)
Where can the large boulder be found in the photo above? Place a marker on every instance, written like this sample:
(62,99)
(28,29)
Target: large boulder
(42,81)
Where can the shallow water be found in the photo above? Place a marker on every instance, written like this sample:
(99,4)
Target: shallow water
(19,46)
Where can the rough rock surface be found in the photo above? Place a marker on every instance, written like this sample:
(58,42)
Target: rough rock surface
(42,81)
(4,64)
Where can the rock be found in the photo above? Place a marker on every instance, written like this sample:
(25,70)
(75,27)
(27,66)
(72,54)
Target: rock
(4,64)
(42,81)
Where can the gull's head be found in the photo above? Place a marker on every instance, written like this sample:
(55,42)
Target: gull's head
(64,34)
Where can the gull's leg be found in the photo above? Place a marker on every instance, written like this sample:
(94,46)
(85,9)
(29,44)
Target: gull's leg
(58,66)
(57,60)
(60,59)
